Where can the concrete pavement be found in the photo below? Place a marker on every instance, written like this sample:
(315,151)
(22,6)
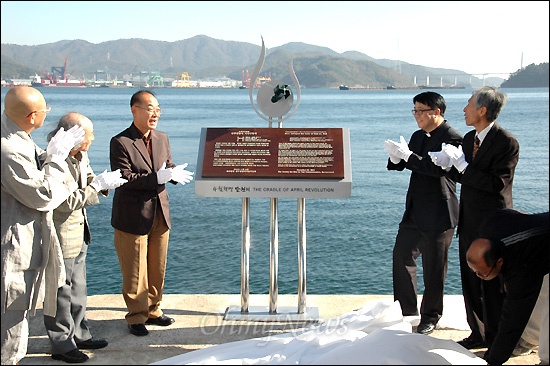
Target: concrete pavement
(200,323)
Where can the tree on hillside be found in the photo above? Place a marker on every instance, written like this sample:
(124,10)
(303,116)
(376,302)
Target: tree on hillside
(532,76)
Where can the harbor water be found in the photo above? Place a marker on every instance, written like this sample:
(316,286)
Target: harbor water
(349,241)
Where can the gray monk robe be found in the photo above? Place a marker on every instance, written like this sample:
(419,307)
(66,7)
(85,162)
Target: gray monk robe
(29,244)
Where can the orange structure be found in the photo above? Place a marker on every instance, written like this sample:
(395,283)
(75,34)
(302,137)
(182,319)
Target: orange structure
(259,80)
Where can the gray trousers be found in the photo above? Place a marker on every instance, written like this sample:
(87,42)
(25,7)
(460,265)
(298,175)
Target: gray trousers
(70,324)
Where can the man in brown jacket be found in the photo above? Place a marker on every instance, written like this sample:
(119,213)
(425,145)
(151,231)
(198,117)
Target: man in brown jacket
(141,211)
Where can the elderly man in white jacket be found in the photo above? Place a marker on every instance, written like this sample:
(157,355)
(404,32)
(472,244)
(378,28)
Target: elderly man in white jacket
(30,192)
(69,331)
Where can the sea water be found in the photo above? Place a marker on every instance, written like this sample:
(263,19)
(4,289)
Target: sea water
(349,241)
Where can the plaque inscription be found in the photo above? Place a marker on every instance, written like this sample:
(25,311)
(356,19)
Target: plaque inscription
(304,153)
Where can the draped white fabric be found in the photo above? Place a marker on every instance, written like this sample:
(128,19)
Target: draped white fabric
(376,334)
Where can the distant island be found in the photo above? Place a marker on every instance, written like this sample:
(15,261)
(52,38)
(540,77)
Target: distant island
(532,76)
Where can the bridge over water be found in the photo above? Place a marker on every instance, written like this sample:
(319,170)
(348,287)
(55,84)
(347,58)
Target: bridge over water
(462,79)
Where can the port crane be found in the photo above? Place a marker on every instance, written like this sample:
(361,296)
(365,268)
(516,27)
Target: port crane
(59,72)
(156,80)
(183,81)
(245,83)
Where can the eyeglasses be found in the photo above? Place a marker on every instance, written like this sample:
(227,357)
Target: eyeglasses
(47,110)
(420,111)
(481,275)
(151,110)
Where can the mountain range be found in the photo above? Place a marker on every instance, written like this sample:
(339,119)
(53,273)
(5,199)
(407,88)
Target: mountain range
(205,57)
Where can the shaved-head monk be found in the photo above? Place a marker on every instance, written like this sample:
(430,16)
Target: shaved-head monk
(30,191)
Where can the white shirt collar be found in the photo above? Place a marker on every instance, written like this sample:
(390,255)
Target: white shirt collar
(484,132)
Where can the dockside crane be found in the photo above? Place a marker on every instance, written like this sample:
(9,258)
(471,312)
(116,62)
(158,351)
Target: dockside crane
(60,72)
(260,80)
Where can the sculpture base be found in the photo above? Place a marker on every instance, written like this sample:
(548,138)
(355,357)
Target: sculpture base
(262,314)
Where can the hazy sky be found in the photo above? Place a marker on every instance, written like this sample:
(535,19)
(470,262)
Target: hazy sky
(472,36)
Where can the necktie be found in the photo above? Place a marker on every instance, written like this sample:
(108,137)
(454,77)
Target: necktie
(476,146)
(147,141)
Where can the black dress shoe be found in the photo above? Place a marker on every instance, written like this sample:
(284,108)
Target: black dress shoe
(425,328)
(471,342)
(92,343)
(138,329)
(162,320)
(74,356)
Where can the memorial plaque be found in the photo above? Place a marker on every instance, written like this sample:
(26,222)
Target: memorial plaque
(301,153)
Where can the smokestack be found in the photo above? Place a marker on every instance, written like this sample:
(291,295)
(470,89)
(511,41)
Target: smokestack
(521,64)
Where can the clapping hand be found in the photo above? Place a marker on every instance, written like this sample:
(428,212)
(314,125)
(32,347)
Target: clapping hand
(456,155)
(440,158)
(387,146)
(64,141)
(164,174)
(180,175)
(398,150)
(108,180)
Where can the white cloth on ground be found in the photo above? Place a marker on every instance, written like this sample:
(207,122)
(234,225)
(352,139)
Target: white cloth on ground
(374,334)
(536,330)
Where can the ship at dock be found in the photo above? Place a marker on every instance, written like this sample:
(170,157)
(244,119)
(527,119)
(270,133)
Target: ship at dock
(39,82)
(58,77)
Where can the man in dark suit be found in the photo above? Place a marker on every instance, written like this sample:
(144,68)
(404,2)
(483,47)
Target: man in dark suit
(431,212)
(486,184)
(514,246)
(141,211)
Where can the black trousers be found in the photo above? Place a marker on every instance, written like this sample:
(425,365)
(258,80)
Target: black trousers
(483,300)
(410,243)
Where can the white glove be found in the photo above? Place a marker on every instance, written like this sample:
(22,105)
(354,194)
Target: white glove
(114,179)
(441,159)
(456,155)
(180,175)
(399,150)
(164,174)
(108,180)
(64,141)
(394,159)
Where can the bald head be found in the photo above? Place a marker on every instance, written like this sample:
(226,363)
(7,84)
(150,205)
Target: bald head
(72,119)
(476,251)
(485,258)
(21,105)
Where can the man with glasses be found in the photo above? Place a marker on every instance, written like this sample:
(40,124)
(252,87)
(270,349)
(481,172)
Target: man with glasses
(46,110)
(141,211)
(30,191)
(431,212)
(513,248)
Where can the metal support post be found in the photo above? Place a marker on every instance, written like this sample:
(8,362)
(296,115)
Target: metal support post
(301,255)
(273,256)
(245,255)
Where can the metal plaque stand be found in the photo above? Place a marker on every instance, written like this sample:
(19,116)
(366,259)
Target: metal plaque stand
(272,313)
(275,100)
